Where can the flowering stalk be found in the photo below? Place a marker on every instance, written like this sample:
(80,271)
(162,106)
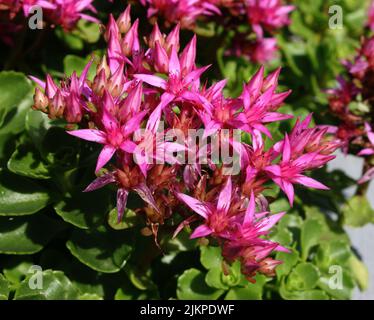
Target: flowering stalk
(352,104)
(139,88)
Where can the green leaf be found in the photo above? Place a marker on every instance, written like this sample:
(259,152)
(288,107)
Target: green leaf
(26,235)
(211,257)
(129,219)
(342,293)
(55,286)
(16,269)
(14,87)
(101,250)
(252,291)
(26,161)
(20,196)
(357,211)
(214,279)
(87,31)
(191,286)
(311,231)
(89,296)
(84,209)
(76,64)
(4,288)
(314,294)
(303,277)
(37,125)
(336,252)
(359,271)
(289,261)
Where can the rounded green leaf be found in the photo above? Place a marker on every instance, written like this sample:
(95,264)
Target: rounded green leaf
(55,286)
(211,257)
(20,196)
(358,212)
(26,161)
(192,286)
(26,235)
(303,277)
(214,279)
(129,219)
(251,291)
(101,250)
(311,231)
(76,64)
(84,209)
(37,125)
(289,260)
(14,87)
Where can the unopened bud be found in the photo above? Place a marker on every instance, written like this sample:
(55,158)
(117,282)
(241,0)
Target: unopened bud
(124,20)
(40,100)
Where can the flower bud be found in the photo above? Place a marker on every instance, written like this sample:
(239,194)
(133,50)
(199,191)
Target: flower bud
(57,106)
(124,20)
(40,101)
(155,36)
(99,83)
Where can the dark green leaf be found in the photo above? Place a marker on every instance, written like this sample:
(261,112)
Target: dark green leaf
(191,286)
(102,250)
(20,196)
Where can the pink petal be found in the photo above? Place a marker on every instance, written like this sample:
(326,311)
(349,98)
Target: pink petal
(105,155)
(367,176)
(145,193)
(366,152)
(224,199)
(250,212)
(195,205)
(121,203)
(268,222)
(89,135)
(100,182)
(309,182)
(152,80)
(286,154)
(155,117)
(201,231)
(174,65)
(288,189)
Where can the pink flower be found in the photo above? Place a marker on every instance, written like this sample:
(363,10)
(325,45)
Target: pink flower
(185,12)
(216,215)
(263,50)
(289,171)
(113,136)
(261,102)
(267,14)
(181,82)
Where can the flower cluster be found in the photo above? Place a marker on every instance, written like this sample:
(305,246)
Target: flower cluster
(262,16)
(65,13)
(139,88)
(352,103)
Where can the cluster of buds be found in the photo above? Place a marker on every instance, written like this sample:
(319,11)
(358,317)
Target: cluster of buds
(65,13)
(143,106)
(262,16)
(352,103)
